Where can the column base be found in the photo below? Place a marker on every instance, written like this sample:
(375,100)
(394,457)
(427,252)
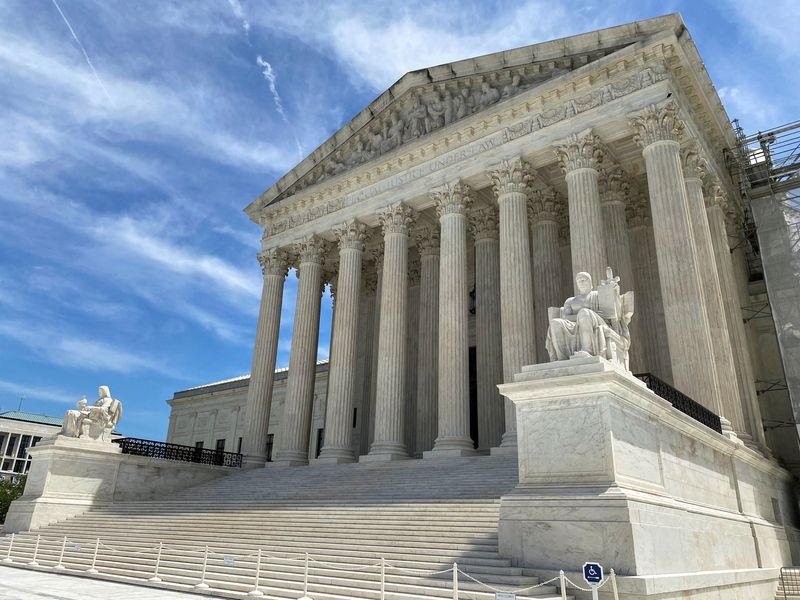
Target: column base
(291,458)
(509,440)
(385,452)
(335,456)
(448,452)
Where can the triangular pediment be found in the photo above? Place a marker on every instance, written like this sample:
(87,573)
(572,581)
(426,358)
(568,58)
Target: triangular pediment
(427,100)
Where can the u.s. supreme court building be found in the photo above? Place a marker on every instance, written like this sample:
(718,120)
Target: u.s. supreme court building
(452,218)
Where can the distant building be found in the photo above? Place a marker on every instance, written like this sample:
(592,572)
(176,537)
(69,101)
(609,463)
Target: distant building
(213,416)
(20,430)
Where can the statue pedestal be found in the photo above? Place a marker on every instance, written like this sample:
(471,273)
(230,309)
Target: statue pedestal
(67,477)
(610,472)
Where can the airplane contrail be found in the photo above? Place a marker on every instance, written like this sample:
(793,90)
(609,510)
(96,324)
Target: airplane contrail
(86,56)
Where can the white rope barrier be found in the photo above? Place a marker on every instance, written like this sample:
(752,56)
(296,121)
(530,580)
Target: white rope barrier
(155,578)
(563,581)
(7,559)
(93,568)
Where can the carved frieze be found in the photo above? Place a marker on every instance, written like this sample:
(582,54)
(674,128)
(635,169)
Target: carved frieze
(279,218)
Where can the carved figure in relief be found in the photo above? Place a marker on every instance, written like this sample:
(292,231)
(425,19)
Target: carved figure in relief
(441,109)
(392,133)
(418,122)
(488,95)
(462,103)
(511,88)
(592,323)
(95,422)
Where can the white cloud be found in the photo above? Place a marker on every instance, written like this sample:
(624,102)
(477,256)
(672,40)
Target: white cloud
(36,392)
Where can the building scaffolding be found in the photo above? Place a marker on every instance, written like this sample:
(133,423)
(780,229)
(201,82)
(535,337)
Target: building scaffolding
(767,167)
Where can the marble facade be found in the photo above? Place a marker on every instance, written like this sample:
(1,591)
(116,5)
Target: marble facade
(451,212)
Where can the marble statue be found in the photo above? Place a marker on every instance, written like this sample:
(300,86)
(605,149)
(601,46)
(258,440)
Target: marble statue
(593,322)
(94,422)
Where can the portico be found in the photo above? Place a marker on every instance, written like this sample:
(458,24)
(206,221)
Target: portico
(452,211)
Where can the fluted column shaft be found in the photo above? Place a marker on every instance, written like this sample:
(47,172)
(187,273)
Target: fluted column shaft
(567,283)
(428,340)
(296,422)
(364,377)
(688,333)
(488,332)
(547,272)
(510,181)
(389,443)
(731,407)
(274,265)
(412,349)
(342,368)
(579,156)
(745,379)
(453,436)
(376,333)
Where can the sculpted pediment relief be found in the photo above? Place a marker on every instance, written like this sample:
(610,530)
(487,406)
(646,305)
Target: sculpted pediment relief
(427,108)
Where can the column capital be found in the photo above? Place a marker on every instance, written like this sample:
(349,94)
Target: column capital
(351,235)
(657,124)
(274,261)
(694,163)
(414,271)
(484,223)
(545,205)
(715,195)
(637,213)
(397,218)
(311,249)
(512,175)
(452,198)
(579,151)
(614,187)
(375,254)
(370,279)
(427,239)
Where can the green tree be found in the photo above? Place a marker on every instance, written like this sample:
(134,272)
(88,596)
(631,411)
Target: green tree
(10,490)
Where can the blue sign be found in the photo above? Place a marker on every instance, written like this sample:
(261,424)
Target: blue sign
(593,573)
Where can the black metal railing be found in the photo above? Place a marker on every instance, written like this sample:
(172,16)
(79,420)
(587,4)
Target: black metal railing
(681,401)
(790,583)
(164,451)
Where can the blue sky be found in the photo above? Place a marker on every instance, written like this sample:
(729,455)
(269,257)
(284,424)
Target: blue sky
(132,134)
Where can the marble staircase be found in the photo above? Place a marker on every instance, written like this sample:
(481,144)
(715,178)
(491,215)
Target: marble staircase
(418,516)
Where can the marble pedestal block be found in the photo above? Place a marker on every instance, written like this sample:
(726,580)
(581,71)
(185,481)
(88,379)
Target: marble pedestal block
(611,472)
(68,476)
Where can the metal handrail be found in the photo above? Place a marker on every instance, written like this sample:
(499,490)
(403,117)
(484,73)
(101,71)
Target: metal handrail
(165,451)
(681,401)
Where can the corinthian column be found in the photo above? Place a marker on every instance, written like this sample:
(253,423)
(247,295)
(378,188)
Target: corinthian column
(613,194)
(544,218)
(579,156)
(390,391)
(274,266)
(412,349)
(694,167)
(658,130)
(428,340)
(342,369)
(452,202)
(716,207)
(296,421)
(510,181)
(488,333)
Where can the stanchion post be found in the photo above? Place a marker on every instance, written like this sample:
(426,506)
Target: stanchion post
(203,585)
(562,584)
(93,568)
(33,562)
(614,584)
(455,581)
(155,578)
(255,592)
(7,559)
(60,565)
(305,581)
(383,577)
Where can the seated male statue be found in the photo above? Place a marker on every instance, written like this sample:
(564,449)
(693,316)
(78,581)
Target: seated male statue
(95,422)
(592,323)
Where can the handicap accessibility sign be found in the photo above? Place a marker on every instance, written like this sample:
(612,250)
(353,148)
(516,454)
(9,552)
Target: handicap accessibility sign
(593,573)
(227,560)
(505,596)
